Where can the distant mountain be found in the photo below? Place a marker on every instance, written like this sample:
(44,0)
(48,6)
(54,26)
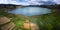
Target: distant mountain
(12,6)
(46,6)
(51,6)
(9,6)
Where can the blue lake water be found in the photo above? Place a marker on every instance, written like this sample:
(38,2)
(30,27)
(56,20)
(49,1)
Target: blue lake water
(31,11)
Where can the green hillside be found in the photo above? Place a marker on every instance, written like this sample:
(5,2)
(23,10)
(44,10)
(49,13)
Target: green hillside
(45,22)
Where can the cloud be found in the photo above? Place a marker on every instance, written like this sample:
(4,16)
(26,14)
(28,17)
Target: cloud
(57,1)
(44,0)
(28,2)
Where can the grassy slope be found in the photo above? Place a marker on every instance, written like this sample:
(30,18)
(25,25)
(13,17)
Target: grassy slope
(45,22)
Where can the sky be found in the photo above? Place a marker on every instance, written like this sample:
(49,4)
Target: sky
(30,2)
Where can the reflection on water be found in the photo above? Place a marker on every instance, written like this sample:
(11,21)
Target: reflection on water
(30,11)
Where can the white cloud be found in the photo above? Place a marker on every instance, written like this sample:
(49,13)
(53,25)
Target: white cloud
(57,1)
(44,0)
(29,2)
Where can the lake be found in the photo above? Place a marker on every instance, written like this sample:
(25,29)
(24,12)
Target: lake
(31,11)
